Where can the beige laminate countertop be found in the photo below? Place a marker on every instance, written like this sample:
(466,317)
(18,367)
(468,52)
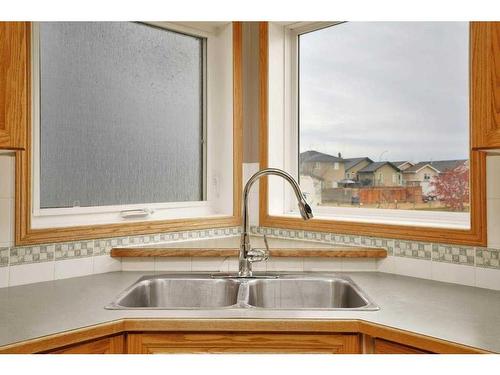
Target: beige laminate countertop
(460,314)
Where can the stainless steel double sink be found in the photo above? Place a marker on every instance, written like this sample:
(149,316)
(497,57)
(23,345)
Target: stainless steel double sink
(214,291)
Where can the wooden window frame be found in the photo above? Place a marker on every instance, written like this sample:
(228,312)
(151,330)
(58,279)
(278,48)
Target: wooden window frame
(13,98)
(26,235)
(475,235)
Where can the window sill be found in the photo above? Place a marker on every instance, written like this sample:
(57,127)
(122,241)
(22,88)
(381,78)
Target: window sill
(447,220)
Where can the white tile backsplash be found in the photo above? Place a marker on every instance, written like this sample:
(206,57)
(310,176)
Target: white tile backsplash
(284,264)
(413,267)
(387,265)
(67,268)
(104,263)
(31,273)
(322,264)
(175,264)
(211,264)
(454,273)
(488,278)
(4,277)
(232,264)
(138,264)
(359,264)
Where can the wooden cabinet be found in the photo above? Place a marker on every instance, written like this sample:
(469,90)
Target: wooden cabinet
(224,342)
(485,85)
(14,84)
(158,336)
(381,346)
(107,345)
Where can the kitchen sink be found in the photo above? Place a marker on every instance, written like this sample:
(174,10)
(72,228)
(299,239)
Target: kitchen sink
(178,292)
(306,291)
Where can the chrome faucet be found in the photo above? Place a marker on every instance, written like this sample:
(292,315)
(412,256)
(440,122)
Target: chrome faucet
(247,254)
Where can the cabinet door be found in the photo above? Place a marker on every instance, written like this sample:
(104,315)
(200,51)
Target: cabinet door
(485,85)
(14,83)
(163,343)
(388,347)
(107,345)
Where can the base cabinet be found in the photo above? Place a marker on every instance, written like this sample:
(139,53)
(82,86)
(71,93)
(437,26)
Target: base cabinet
(381,346)
(223,342)
(158,336)
(107,345)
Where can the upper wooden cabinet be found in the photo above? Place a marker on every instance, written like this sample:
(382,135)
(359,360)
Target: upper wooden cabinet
(485,85)
(14,84)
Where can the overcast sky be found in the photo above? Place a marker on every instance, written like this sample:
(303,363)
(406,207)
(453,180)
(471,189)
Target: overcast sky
(386,90)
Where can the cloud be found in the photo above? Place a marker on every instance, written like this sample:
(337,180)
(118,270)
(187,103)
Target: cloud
(368,87)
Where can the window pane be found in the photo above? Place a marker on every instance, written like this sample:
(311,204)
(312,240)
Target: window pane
(121,114)
(384,116)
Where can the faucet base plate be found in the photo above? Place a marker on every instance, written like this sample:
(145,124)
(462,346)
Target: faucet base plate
(235,275)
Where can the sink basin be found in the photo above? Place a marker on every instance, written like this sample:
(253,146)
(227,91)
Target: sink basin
(306,293)
(178,292)
(277,291)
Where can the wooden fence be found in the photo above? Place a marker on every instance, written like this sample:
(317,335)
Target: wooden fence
(372,195)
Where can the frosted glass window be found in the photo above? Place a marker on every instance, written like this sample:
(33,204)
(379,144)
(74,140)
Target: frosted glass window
(121,114)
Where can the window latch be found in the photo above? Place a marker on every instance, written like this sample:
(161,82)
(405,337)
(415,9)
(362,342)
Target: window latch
(140,212)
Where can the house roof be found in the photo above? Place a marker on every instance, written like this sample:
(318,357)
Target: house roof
(352,162)
(438,165)
(315,156)
(377,165)
(401,162)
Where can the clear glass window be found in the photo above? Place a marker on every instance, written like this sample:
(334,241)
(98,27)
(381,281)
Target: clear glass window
(391,99)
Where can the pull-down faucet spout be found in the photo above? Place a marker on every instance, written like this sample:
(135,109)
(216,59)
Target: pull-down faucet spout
(247,254)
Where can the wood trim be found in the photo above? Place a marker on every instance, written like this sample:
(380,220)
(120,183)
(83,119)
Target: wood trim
(476,235)
(340,252)
(59,340)
(15,52)
(485,85)
(25,235)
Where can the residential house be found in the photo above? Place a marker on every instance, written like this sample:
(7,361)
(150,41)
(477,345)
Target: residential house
(328,168)
(353,165)
(403,164)
(422,173)
(381,173)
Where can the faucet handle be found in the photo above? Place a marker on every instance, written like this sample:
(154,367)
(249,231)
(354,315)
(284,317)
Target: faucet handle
(259,254)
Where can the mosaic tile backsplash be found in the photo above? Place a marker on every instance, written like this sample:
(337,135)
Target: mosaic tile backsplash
(82,249)
(455,254)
